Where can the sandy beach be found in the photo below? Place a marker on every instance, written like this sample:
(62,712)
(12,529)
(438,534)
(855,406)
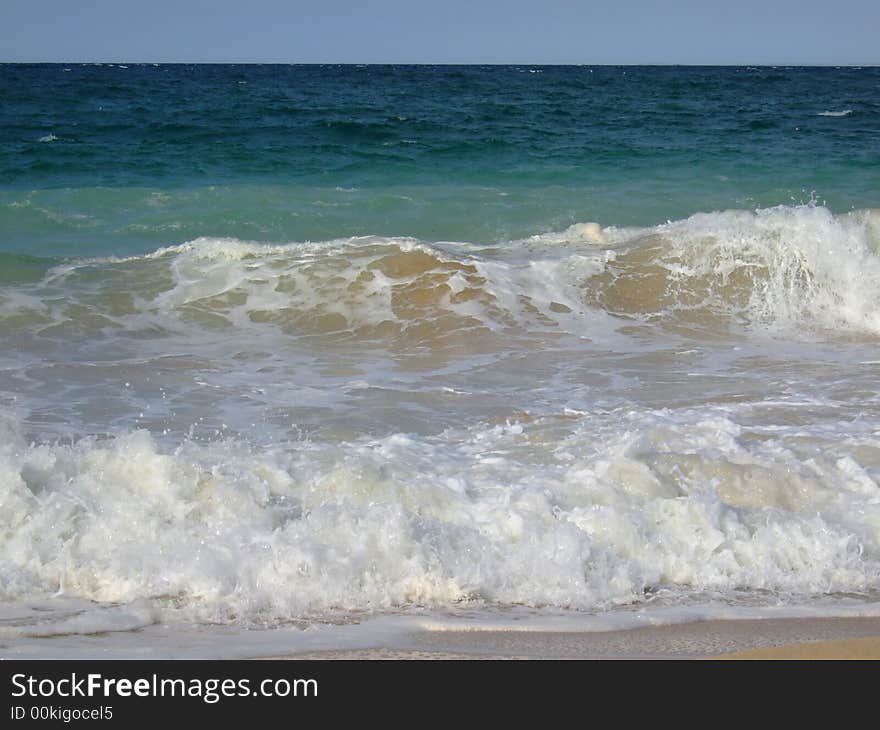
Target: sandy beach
(813,638)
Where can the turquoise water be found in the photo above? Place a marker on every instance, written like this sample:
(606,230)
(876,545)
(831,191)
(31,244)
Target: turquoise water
(313,343)
(137,157)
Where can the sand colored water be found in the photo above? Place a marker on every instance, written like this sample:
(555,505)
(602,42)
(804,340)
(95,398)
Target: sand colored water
(813,638)
(865,648)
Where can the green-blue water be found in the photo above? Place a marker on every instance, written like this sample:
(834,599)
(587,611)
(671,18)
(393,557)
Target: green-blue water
(137,157)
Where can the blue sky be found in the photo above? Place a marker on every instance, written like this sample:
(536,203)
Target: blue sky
(451,31)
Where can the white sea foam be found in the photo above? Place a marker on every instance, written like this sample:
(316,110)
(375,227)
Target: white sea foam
(606,512)
(48,138)
(841,113)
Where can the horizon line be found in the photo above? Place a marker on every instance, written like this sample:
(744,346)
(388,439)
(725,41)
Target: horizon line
(761,64)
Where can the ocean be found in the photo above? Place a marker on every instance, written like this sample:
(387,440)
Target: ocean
(297,356)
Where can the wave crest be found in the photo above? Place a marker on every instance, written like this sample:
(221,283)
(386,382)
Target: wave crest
(786,269)
(782,268)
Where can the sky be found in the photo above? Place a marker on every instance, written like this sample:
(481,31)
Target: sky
(443,31)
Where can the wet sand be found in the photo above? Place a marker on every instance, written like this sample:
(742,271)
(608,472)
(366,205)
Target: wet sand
(865,648)
(813,638)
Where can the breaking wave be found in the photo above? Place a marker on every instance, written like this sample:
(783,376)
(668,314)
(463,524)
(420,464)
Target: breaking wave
(786,269)
(611,511)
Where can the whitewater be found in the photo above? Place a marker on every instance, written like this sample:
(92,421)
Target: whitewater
(306,358)
(596,420)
